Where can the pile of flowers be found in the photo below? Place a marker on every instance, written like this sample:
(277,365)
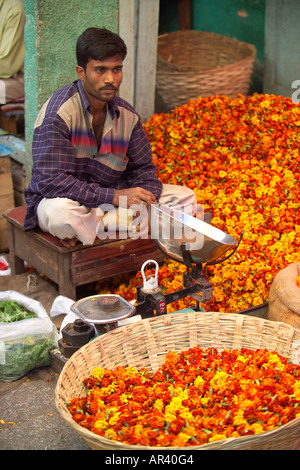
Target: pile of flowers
(241,157)
(197,396)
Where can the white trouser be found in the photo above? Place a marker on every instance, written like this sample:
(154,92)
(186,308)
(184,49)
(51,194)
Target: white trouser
(65,218)
(13,87)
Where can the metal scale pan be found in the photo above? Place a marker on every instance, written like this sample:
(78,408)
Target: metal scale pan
(103,310)
(170,229)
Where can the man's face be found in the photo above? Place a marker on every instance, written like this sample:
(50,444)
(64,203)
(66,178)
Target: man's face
(101,78)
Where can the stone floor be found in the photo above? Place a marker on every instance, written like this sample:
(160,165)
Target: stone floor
(29,419)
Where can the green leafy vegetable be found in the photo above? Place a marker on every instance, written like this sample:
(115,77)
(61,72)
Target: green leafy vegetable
(23,355)
(11,311)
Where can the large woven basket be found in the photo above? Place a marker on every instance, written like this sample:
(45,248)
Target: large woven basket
(194,63)
(145,344)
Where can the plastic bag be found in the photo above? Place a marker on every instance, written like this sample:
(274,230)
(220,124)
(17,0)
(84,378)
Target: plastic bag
(25,345)
(284,296)
(62,305)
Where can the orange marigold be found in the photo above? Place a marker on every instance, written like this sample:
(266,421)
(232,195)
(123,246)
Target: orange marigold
(228,394)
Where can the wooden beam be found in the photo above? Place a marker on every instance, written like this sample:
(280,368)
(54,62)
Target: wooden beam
(185,14)
(146,58)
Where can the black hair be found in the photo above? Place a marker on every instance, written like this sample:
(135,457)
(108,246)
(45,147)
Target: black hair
(99,44)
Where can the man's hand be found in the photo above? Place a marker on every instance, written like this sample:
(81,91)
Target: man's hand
(132,196)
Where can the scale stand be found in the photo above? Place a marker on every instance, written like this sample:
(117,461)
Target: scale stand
(151,301)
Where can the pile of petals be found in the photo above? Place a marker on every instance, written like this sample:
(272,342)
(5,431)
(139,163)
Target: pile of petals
(241,157)
(197,396)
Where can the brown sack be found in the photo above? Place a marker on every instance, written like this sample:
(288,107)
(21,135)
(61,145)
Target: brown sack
(284,297)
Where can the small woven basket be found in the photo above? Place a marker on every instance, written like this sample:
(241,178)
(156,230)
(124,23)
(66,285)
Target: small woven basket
(145,344)
(194,63)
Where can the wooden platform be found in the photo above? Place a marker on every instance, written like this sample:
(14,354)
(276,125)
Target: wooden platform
(74,266)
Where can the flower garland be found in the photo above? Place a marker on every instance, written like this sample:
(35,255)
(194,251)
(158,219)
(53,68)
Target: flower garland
(241,157)
(197,396)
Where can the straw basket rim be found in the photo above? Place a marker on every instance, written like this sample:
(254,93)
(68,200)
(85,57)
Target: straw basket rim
(190,35)
(199,327)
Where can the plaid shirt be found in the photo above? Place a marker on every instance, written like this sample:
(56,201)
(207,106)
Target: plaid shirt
(67,162)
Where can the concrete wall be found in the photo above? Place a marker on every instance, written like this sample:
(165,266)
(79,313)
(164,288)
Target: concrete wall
(282,64)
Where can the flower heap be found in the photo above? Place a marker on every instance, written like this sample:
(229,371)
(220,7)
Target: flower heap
(196,397)
(241,157)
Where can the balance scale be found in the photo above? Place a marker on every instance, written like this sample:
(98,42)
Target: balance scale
(182,238)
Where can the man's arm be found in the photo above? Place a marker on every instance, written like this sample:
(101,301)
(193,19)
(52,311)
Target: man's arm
(141,171)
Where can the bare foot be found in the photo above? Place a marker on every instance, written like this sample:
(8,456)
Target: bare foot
(68,242)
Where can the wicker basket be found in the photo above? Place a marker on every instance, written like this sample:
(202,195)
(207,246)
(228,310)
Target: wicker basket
(195,63)
(145,344)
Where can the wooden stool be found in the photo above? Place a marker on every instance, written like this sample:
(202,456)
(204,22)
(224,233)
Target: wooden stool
(73,266)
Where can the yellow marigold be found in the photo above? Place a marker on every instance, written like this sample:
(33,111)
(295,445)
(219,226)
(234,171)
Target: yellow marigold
(274,359)
(181,439)
(169,417)
(205,400)
(239,419)
(97,373)
(186,414)
(131,371)
(227,210)
(158,404)
(297,389)
(100,424)
(217,437)
(257,428)
(199,381)
(124,398)
(255,121)
(109,389)
(175,404)
(235,400)
(138,430)
(179,393)
(219,380)
(114,419)
(245,385)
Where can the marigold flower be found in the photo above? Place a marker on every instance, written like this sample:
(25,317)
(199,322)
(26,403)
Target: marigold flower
(297,389)
(98,373)
(228,394)
(241,157)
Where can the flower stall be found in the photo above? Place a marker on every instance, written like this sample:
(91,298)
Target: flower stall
(241,157)
(210,379)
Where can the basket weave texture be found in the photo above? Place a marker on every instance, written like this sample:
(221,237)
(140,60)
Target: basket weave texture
(194,63)
(145,344)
